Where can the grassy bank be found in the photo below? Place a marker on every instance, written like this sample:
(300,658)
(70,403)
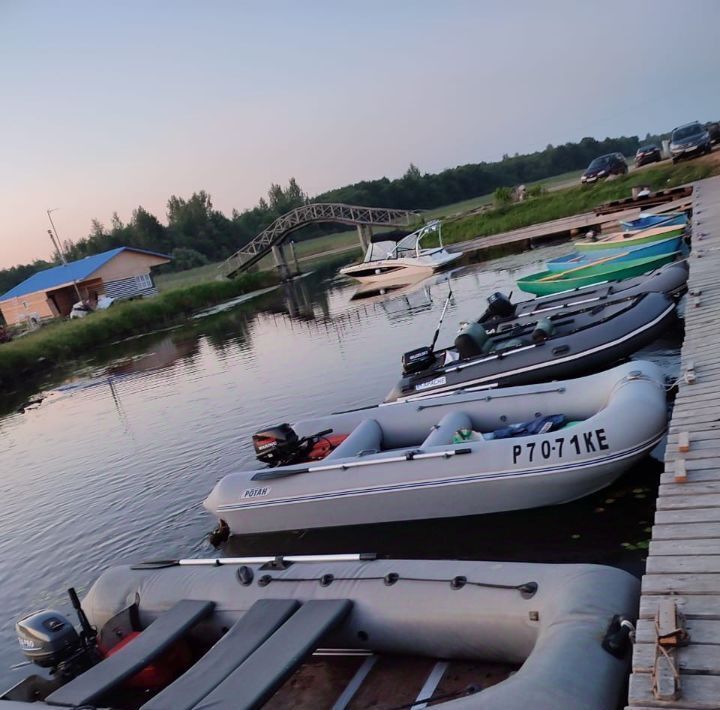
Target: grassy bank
(567,202)
(61,341)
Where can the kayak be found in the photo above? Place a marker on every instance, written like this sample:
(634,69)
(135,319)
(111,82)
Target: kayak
(570,261)
(608,269)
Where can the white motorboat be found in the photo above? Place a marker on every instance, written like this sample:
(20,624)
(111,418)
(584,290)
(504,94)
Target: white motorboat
(398,260)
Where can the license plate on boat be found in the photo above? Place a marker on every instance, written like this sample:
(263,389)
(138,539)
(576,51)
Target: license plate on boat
(589,442)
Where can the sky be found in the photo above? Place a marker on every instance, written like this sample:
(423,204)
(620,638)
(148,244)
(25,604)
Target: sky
(105,106)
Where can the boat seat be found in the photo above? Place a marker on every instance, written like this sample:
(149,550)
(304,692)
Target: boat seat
(108,674)
(263,618)
(442,433)
(257,678)
(366,436)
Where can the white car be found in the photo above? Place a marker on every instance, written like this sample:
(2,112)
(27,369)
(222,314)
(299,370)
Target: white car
(81,309)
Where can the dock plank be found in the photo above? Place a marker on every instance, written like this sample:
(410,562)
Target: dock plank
(699,692)
(703,658)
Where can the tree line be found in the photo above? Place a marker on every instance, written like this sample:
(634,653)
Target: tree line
(196,233)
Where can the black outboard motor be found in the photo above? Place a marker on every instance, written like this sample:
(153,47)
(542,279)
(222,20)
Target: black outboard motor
(417,360)
(280,446)
(47,638)
(275,444)
(499,306)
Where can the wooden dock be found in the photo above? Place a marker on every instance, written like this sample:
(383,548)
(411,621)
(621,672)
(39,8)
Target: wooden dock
(536,234)
(676,659)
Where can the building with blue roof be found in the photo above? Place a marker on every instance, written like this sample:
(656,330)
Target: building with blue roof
(120,273)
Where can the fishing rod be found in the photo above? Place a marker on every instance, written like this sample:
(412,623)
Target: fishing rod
(442,316)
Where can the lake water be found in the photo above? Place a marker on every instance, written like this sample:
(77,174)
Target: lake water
(114,463)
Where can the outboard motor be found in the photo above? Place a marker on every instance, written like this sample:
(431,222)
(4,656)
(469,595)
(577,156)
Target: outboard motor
(499,306)
(47,638)
(417,360)
(280,445)
(275,444)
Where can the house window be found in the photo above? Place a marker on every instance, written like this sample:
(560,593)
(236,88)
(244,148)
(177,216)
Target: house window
(143,281)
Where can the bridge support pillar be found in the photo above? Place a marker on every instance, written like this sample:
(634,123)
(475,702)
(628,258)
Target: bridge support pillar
(294,258)
(280,262)
(364,235)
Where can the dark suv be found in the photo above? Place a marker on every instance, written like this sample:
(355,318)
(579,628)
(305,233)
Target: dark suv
(604,166)
(688,141)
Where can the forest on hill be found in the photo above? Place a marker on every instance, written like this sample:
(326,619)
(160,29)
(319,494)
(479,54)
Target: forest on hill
(195,233)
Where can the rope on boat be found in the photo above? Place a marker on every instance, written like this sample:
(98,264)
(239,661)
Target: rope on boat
(246,576)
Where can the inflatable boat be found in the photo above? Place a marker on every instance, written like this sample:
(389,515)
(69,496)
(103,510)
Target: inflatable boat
(537,345)
(466,454)
(608,268)
(235,634)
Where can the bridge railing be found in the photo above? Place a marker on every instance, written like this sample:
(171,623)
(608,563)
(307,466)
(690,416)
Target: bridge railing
(311,213)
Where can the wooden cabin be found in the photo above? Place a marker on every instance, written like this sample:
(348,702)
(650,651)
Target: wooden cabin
(121,273)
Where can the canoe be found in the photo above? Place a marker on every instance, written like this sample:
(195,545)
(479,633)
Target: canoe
(647,221)
(570,261)
(248,627)
(625,239)
(451,456)
(546,282)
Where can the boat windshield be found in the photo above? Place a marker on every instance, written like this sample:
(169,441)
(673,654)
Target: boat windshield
(408,246)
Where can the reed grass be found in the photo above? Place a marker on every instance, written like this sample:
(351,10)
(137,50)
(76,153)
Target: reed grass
(60,341)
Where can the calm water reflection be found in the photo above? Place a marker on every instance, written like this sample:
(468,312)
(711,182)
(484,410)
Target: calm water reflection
(114,463)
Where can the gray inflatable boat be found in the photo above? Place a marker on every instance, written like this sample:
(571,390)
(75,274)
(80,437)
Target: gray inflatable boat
(466,453)
(563,335)
(249,624)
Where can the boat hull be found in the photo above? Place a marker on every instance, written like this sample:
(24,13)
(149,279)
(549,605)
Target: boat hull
(399,270)
(549,282)
(554,629)
(594,348)
(650,221)
(626,239)
(642,251)
(435,481)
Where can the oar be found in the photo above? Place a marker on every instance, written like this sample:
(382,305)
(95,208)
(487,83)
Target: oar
(562,274)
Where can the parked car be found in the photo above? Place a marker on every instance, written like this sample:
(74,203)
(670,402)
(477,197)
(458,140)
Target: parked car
(647,154)
(604,166)
(83,308)
(689,140)
(713,128)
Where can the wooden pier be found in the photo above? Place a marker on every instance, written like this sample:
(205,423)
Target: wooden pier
(676,659)
(565,227)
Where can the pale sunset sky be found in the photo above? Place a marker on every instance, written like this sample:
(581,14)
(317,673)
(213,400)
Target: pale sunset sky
(110,105)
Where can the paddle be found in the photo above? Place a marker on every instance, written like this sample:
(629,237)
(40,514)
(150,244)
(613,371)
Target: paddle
(562,274)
